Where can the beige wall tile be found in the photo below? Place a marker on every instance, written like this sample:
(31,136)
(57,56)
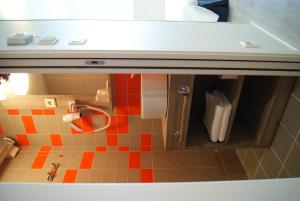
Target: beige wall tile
(64,128)
(146,126)
(59,176)
(251,163)
(83,176)
(230,159)
(236,173)
(108,175)
(164,159)
(293,162)
(190,174)
(133,176)
(157,141)
(13,162)
(8,175)
(291,116)
(271,164)
(27,161)
(90,140)
(34,139)
(241,153)
(2,109)
(157,127)
(36,176)
(121,175)
(165,175)
(52,124)
(20,175)
(25,112)
(187,159)
(50,159)
(61,110)
(99,160)
(134,148)
(99,122)
(96,176)
(214,174)
(134,124)
(284,173)
(75,160)
(67,140)
(64,160)
(123,140)
(134,140)
(112,149)
(17,124)
(111,160)
(296,90)
(298,139)
(100,140)
(282,146)
(282,143)
(45,140)
(40,124)
(122,161)
(6,126)
(259,152)
(260,174)
(209,158)
(79,140)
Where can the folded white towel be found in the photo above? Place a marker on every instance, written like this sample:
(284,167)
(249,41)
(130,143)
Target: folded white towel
(213,116)
(226,113)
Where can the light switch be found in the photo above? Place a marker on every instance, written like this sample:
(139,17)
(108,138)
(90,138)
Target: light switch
(19,39)
(249,44)
(48,40)
(81,41)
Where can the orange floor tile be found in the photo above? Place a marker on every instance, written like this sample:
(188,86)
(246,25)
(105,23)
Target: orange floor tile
(70,176)
(134,160)
(87,160)
(29,124)
(146,176)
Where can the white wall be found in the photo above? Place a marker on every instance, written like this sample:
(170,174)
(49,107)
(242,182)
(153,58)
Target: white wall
(93,9)
(66,9)
(279,16)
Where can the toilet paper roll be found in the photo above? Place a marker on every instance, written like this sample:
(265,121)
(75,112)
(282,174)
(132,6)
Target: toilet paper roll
(154,96)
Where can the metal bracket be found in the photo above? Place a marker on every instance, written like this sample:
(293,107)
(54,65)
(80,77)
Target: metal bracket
(179,136)
(184,90)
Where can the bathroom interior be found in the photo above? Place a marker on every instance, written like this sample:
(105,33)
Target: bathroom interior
(150,128)
(119,128)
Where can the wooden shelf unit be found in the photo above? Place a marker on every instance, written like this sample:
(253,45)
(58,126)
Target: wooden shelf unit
(258,103)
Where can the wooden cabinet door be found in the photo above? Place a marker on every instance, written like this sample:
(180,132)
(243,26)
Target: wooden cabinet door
(175,124)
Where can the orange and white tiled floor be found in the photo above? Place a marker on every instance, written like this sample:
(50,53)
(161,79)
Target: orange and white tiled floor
(130,150)
(99,165)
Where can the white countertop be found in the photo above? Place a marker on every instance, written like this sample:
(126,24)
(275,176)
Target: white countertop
(145,39)
(247,190)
